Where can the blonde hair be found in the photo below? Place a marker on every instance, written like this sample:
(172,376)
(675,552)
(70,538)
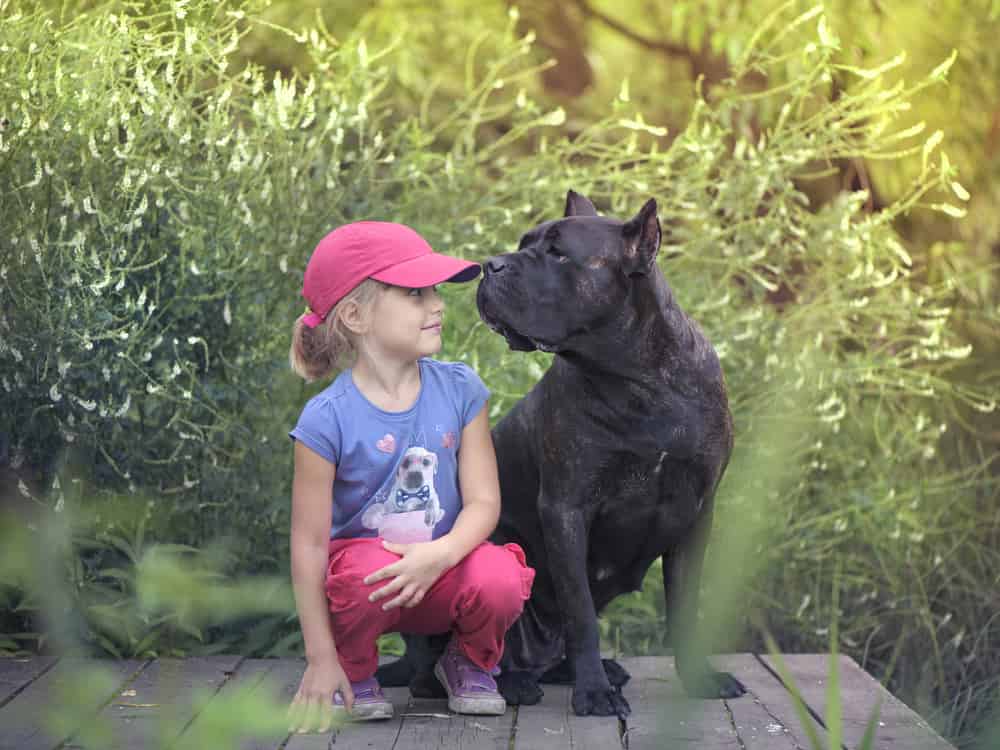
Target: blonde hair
(319,352)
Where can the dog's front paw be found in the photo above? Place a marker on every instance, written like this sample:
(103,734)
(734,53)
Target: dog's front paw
(617,675)
(711,684)
(519,688)
(600,700)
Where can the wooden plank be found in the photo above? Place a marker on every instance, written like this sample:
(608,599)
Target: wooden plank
(28,721)
(663,714)
(368,735)
(595,732)
(278,678)
(17,672)
(160,702)
(429,723)
(544,726)
(898,726)
(765,718)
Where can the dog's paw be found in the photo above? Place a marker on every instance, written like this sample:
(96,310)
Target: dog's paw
(616,673)
(561,674)
(599,701)
(519,688)
(713,685)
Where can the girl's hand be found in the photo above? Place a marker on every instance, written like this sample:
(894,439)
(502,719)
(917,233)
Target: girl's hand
(421,564)
(313,703)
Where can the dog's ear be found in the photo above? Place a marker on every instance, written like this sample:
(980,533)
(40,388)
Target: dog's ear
(642,240)
(577,205)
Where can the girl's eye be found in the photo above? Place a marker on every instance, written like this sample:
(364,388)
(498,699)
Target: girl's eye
(420,292)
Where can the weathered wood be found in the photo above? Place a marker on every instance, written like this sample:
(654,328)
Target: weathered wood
(267,677)
(17,673)
(765,718)
(156,699)
(544,726)
(429,724)
(28,721)
(360,735)
(663,714)
(898,725)
(163,698)
(593,732)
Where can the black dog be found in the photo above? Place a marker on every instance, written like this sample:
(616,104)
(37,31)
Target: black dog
(609,462)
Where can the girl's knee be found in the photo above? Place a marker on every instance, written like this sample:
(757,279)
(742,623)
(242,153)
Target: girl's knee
(500,577)
(349,564)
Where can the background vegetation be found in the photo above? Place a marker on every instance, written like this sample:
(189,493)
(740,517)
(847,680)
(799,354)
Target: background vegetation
(825,173)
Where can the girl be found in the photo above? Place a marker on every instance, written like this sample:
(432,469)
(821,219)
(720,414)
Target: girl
(395,488)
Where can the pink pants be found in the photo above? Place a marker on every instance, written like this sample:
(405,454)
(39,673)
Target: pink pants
(478,600)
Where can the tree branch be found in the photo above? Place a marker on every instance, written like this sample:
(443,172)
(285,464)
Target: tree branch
(667,48)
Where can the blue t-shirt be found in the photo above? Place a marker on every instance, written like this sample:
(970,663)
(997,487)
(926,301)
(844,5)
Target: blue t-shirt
(397,472)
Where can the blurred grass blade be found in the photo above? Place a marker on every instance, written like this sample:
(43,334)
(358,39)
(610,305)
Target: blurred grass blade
(834,708)
(868,739)
(805,718)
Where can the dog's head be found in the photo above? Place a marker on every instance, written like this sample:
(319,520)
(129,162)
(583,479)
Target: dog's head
(568,276)
(416,469)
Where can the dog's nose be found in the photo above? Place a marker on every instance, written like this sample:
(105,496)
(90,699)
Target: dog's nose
(494,265)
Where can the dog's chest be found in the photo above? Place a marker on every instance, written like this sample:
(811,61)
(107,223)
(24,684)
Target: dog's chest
(645,499)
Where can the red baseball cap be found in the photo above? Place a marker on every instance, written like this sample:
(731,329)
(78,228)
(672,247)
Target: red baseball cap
(382,250)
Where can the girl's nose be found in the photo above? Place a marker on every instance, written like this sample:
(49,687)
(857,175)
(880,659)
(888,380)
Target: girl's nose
(435,300)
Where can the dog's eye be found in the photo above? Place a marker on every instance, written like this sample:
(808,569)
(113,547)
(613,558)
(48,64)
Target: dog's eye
(556,253)
(427,462)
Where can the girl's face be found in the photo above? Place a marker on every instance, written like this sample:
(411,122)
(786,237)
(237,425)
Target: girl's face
(405,323)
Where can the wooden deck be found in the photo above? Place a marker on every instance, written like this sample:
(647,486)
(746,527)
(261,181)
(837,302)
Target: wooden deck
(148,700)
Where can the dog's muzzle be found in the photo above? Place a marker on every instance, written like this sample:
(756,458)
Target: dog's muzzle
(491,300)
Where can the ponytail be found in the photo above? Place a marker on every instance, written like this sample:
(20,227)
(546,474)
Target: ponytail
(317,353)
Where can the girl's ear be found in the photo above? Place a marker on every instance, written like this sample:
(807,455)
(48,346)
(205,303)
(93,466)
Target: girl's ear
(353,317)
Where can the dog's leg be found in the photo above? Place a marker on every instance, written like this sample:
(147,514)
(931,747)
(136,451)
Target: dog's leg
(415,668)
(681,584)
(562,674)
(566,542)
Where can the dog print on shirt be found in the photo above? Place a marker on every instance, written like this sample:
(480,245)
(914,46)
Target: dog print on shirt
(412,508)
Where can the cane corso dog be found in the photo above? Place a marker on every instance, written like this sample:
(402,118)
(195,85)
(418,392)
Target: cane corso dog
(612,459)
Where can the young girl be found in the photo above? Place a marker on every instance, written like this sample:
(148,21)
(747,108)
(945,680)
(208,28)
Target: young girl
(395,488)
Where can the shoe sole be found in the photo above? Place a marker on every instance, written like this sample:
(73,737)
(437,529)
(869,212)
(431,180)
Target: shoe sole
(369,712)
(477,706)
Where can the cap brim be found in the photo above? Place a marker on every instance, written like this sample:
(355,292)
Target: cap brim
(428,270)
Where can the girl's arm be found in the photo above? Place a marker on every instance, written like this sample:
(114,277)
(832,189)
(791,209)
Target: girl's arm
(480,488)
(423,563)
(312,514)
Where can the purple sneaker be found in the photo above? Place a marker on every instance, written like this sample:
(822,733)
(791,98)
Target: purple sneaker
(369,701)
(471,690)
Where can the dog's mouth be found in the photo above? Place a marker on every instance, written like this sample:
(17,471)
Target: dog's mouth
(515,341)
